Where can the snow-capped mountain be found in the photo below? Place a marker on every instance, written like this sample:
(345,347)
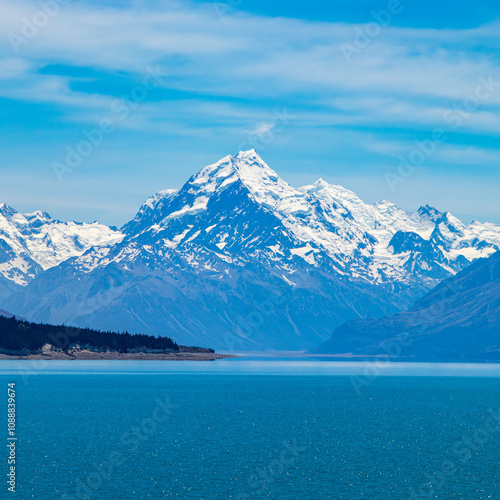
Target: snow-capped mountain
(239,259)
(377,243)
(32,243)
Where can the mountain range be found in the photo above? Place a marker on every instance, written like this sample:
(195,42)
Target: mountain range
(459,320)
(32,243)
(237,259)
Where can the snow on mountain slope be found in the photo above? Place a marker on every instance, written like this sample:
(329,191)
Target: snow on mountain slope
(321,221)
(239,259)
(32,243)
(148,210)
(382,221)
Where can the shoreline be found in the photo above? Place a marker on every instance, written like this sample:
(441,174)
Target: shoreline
(116,356)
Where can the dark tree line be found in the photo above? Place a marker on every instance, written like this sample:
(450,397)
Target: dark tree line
(16,335)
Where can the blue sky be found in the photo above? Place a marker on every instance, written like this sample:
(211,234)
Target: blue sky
(355,92)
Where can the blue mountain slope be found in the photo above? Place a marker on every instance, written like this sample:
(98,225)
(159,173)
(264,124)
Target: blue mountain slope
(459,320)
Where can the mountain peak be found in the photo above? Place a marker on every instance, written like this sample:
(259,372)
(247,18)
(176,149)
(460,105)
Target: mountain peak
(320,183)
(6,210)
(327,191)
(38,215)
(250,153)
(251,166)
(448,222)
(246,167)
(429,213)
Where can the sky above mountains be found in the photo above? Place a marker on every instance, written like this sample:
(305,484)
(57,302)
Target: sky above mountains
(104,103)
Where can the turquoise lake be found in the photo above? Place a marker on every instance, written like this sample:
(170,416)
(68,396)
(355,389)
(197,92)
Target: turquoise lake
(251,429)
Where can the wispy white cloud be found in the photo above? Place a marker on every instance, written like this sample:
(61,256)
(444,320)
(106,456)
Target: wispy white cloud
(229,55)
(261,128)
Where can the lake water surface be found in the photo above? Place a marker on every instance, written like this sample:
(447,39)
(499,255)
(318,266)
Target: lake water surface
(252,429)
